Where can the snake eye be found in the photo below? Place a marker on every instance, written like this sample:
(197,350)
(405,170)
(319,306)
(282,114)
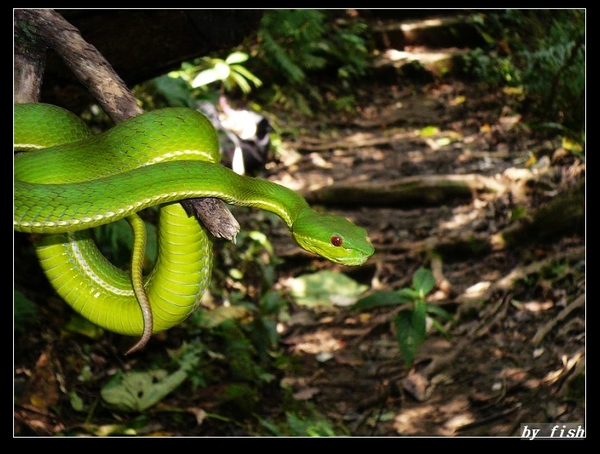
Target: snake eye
(336,240)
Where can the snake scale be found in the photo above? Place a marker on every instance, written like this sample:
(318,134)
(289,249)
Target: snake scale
(70,180)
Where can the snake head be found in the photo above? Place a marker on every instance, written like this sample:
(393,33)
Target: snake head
(333,237)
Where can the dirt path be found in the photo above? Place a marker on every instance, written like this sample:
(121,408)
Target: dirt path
(516,354)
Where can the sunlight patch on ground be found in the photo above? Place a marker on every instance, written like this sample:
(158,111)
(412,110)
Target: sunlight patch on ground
(459,220)
(443,420)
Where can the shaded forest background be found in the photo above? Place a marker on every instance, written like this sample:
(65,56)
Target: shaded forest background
(457,138)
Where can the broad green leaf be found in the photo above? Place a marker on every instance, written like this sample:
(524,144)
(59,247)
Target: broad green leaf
(419,315)
(138,391)
(423,281)
(176,90)
(210,319)
(76,401)
(236,57)
(220,71)
(378,299)
(410,332)
(326,288)
(407,295)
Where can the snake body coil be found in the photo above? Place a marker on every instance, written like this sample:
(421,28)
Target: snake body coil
(70,181)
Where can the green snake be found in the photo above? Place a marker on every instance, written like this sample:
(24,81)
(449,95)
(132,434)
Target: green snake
(71,180)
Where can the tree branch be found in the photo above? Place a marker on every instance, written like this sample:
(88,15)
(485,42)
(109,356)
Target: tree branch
(38,30)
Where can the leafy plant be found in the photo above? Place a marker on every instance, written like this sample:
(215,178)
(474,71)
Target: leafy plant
(289,42)
(312,425)
(293,44)
(235,329)
(411,320)
(137,391)
(290,46)
(542,51)
(202,78)
(24,311)
(115,241)
(230,72)
(325,288)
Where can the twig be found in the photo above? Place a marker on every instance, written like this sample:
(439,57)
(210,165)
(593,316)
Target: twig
(544,330)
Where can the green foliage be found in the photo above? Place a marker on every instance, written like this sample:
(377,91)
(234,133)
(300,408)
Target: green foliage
(544,52)
(175,91)
(290,42)
(239,334)
(488,67)
(24,312)
(293,44)
(301,424)
(229,73)
(137,391)
(325,288)
(115,241)
(202,78)
(411,321)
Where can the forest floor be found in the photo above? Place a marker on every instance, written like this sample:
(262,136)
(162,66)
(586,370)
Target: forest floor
(515,350)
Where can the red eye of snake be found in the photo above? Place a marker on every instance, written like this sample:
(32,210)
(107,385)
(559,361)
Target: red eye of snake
(336,240)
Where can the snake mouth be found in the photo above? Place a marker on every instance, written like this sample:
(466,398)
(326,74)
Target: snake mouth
(352,260)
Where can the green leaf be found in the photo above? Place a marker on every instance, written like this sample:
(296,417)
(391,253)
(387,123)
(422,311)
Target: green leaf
(419,314)
(423,281)
(437,310)
(175,90)
(309,427)
(419,319)
(272,302)
(220,71)
(247,74)
(24,311)
(437,325)
(241,82)
(76,401)
(410,332)
(79,325)
(236,57)
(220,314)
(378,299)
(428,131)
(326,288)
(271,427)
(407,295)
(261,239)
(138,391)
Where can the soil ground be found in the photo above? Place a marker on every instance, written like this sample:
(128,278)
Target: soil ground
(514,356)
